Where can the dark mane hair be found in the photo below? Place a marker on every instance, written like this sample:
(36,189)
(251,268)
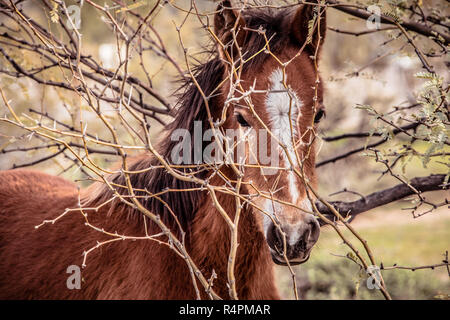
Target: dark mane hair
(190,108)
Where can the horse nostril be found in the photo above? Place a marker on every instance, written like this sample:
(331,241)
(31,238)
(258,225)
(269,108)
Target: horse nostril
(275,239)
(311,234)
(315,229)
(278,237)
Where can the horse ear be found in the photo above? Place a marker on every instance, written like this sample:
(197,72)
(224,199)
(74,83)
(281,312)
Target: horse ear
(227,21)
(306,27)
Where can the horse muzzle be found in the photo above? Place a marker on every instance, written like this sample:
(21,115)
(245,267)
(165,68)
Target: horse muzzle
(293,243)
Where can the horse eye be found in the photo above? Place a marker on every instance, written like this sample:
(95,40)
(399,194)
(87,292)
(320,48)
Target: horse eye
(319,115)
(241,120)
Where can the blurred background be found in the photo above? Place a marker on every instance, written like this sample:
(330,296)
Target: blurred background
(360,70)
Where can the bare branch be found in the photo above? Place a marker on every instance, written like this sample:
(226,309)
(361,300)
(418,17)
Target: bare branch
(433,182)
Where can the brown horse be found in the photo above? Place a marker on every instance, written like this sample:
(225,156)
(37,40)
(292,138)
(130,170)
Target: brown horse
(34,262)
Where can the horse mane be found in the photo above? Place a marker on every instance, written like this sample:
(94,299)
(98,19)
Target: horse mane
(189,108)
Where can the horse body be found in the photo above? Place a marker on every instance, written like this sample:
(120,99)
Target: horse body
(34,263)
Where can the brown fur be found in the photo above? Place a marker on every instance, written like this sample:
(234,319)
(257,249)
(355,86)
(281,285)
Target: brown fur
(33,262)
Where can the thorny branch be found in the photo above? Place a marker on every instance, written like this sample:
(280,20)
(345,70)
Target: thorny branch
(125,104)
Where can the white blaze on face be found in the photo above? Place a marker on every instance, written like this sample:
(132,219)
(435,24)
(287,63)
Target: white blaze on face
(281,102)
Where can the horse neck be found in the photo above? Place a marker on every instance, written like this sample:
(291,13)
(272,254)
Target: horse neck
(210,238)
